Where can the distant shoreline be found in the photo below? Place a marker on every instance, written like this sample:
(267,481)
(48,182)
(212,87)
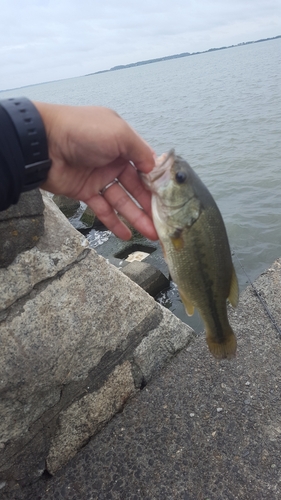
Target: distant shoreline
(148,61)
(177,56)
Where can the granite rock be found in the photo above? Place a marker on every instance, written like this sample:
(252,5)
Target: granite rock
(76,338)
(86,416)
(21,226)
(29,204)
(60,246)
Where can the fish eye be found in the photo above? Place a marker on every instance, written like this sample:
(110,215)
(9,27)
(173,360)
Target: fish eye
(180,177)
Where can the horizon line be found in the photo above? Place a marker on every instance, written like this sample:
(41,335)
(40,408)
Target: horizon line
(147,61)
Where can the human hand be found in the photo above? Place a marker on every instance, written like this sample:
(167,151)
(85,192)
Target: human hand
(89,148)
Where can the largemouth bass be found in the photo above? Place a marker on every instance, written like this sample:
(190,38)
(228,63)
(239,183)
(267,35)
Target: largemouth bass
(195,245)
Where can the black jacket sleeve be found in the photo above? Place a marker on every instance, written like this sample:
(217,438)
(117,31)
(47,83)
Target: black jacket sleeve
(11,162)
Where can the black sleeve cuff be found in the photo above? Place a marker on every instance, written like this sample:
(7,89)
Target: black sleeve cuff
(26,130)
(11,163)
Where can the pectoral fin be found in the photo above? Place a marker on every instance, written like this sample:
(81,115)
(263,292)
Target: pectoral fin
(234,289)
(189,307)
(177,240)
(177,243)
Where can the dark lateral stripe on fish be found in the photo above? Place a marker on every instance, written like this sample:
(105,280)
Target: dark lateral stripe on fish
(208,283)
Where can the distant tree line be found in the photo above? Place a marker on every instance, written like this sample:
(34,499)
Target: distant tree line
(183,54)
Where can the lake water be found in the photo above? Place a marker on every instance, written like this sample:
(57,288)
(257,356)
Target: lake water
(222,112)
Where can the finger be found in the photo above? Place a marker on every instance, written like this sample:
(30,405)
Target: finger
(137,151)
(131,181)
(125,206)
(108,217)
(99,178)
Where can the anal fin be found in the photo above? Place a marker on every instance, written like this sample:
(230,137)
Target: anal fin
(189,307)
(234,289)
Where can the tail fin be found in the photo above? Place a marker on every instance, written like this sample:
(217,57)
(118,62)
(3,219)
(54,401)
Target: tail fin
(225,349)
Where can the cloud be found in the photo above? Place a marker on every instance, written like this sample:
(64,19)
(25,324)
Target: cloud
(42,40)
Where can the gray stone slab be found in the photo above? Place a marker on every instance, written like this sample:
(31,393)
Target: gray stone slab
(201,429)
(58,335)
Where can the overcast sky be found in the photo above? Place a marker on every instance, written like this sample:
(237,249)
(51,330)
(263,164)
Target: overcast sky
(44,40)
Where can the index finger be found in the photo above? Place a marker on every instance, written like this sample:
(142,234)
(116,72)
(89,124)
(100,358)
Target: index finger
(139,152)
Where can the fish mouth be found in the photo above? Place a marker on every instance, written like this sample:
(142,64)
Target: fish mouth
(161,171)
(162,164)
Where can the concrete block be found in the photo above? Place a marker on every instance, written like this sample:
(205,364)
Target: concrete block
(68,206)
(88,217)
(147,277)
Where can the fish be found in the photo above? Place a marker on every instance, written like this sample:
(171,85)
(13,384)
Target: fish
(196,247)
